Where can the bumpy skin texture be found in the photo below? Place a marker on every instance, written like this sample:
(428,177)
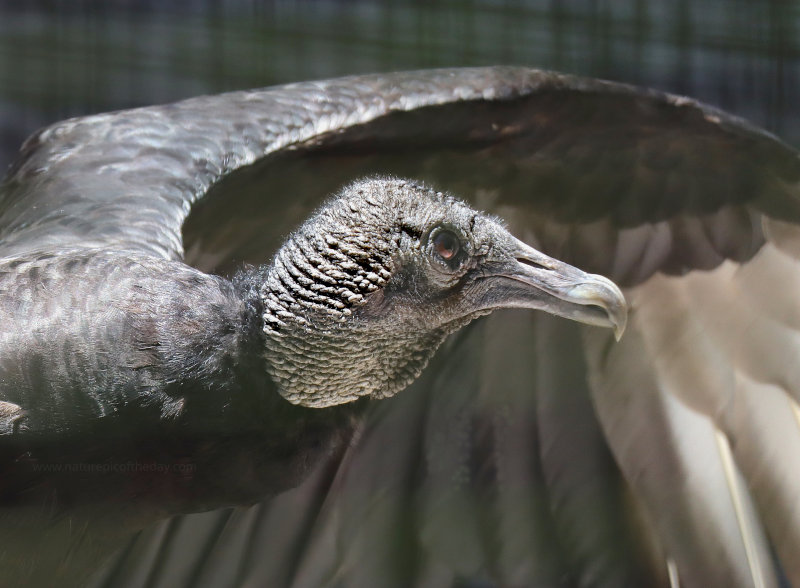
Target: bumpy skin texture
(345,315)
(500,465)
(359,298)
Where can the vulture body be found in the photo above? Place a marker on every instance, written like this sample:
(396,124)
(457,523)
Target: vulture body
(533,451)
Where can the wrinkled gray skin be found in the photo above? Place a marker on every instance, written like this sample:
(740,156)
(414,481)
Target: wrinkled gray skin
(358,299)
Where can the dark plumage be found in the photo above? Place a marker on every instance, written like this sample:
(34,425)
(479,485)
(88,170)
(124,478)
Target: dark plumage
(514,459)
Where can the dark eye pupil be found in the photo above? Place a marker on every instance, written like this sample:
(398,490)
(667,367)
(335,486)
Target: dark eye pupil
(446,244)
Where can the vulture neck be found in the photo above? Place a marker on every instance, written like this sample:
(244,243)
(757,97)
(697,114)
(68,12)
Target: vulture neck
(323,351)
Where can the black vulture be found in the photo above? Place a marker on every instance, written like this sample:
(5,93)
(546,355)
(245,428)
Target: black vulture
(533,451)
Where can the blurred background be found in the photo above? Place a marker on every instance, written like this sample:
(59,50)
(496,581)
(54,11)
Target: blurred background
(62,58)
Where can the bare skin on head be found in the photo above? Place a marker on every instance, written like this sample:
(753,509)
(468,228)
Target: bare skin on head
(359,298)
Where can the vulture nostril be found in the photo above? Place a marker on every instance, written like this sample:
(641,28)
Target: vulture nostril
(531,263)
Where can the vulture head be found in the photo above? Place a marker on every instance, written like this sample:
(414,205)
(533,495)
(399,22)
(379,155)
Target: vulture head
(359,298)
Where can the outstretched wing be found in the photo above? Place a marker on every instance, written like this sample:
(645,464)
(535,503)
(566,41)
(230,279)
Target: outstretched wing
(129,179)
(532,451)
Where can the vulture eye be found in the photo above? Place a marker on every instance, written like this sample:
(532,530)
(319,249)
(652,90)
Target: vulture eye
(446,245)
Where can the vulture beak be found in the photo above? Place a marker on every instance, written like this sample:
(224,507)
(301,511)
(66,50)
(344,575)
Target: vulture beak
(534,280)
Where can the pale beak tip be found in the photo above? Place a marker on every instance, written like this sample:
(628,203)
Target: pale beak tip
(602,292)
(618,313)
(619,329)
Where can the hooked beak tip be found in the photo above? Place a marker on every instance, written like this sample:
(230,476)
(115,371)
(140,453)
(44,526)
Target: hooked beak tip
(603,293)
(619,329)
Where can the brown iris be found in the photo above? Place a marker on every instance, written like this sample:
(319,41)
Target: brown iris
(446,245)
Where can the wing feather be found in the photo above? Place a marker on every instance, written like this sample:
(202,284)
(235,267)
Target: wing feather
(671,456)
